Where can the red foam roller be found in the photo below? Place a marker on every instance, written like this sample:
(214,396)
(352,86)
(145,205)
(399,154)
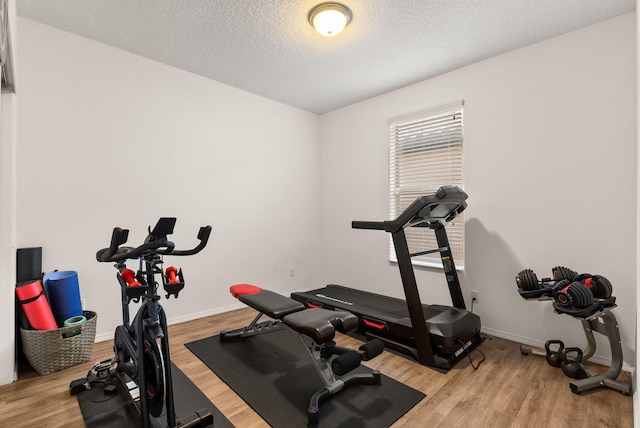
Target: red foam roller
(36,306)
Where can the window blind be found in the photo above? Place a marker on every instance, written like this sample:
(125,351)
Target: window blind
(426,153)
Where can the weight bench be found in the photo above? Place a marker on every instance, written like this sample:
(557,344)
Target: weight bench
(316,329)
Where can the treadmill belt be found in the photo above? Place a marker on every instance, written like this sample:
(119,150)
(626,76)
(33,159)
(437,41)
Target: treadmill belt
(363,302)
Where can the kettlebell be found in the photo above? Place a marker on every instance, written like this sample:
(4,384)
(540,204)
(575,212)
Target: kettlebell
(573,367)
(554,358)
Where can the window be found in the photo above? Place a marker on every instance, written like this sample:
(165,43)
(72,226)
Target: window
(426,153)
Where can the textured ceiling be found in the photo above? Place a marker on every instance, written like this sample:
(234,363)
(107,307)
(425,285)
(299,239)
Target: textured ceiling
(268,48)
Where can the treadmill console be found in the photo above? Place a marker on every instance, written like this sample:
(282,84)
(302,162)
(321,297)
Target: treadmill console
(430,211)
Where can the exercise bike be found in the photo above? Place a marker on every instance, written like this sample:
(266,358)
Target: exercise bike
(142,362)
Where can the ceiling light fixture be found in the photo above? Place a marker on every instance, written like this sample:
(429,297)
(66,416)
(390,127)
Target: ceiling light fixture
(329,19)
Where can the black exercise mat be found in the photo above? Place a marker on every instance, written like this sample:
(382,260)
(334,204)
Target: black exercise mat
(101,410)
(275,375)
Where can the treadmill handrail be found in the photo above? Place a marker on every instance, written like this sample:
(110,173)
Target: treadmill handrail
(377,225)
(433,211)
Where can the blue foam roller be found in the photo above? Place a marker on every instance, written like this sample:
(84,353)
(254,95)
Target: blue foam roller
(63,292)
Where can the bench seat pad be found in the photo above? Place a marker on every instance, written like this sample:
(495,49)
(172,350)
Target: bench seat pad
(271,304)
(321,324)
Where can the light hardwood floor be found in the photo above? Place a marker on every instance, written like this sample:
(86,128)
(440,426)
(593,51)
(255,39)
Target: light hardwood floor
(508,390)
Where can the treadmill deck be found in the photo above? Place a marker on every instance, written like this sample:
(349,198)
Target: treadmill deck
(448,326)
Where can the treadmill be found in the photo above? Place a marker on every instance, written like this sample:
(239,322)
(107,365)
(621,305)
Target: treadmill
(435,335)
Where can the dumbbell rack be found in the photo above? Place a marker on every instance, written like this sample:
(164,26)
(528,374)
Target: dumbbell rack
(605,323)
(599,318)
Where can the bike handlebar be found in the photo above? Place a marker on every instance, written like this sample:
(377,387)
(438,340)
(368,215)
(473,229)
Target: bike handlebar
(203,236)
(155,243)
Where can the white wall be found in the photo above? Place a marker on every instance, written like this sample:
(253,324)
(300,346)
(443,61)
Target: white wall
(550,169)
(636,411)
(109,139)
(8,215)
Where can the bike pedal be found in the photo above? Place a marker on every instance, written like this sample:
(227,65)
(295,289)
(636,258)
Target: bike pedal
(79,385)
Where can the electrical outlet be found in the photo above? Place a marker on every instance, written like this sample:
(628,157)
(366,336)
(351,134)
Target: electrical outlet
(474,296)
(292,271)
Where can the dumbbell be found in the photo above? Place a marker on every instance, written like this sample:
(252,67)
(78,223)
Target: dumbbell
(129,277)
(573,367)
(561,272)
(171,274)
(554,358)
(528,280)
(572,294)
(600,286)
(583,291)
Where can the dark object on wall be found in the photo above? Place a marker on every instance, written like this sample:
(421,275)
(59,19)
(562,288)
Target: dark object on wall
(28,264)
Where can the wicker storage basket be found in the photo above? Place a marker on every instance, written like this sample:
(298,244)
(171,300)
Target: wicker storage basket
(49,351)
